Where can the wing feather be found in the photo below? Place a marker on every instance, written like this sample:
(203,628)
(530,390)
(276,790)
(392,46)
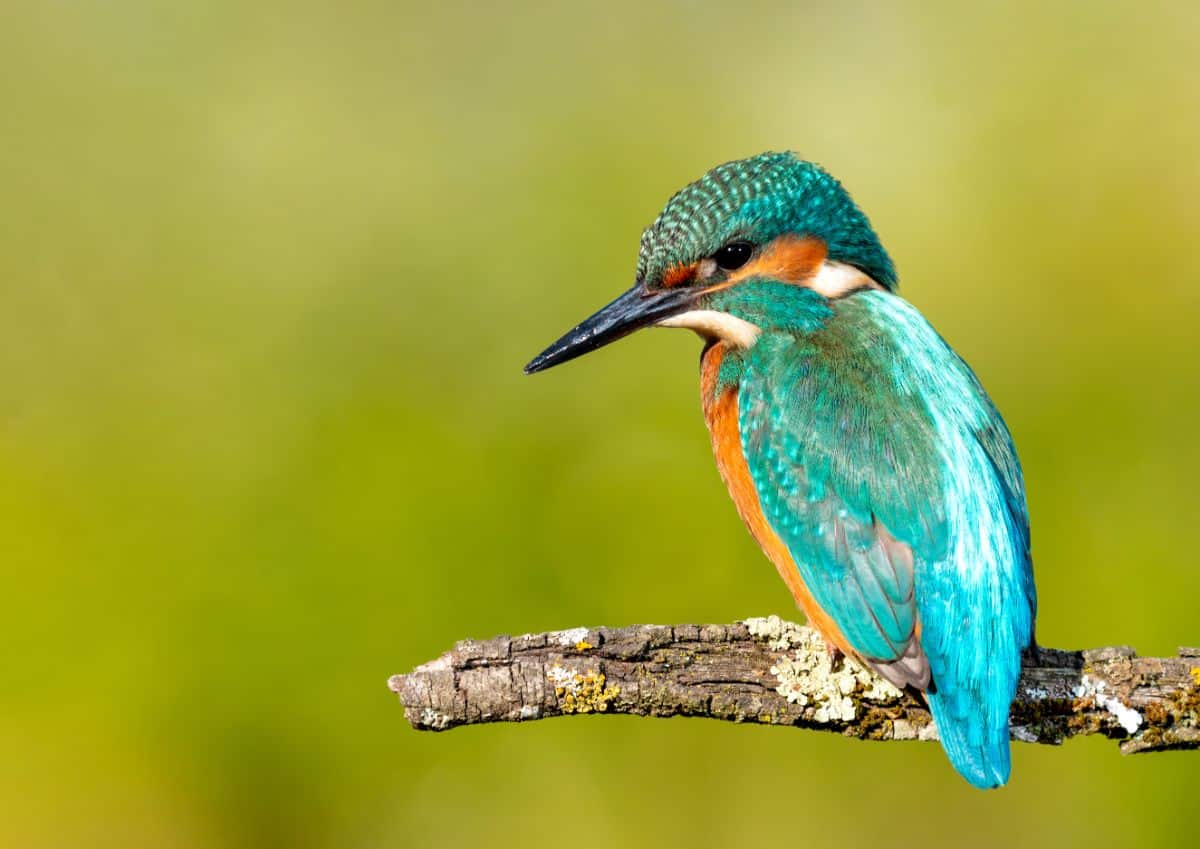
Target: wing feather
(851,468)
(885,469)
(857,570)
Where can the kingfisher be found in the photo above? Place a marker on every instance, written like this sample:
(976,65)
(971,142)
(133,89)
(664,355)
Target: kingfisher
(860,450)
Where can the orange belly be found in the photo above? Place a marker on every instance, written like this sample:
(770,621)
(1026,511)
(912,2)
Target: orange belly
(720,412)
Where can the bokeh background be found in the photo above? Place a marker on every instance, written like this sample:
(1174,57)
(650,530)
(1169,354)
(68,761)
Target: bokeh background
(268,275)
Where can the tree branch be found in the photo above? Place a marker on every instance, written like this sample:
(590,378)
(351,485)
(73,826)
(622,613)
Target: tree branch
(776,673)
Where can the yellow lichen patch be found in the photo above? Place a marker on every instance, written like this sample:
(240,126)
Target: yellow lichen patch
(1186,702)
(583,645)
(581,692)
(1156,714)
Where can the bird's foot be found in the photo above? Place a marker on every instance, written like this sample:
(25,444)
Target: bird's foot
(1032,653)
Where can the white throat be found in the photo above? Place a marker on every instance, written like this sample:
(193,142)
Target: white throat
(713,324)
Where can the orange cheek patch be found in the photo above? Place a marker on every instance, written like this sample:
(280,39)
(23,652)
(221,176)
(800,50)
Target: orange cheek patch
(680,275)
(790,259)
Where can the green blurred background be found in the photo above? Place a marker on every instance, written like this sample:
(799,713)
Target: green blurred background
(268,275)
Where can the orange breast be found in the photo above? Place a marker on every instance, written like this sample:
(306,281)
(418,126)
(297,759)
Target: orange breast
(720,412)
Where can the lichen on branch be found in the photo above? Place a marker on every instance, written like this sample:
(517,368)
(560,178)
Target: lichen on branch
(774,672)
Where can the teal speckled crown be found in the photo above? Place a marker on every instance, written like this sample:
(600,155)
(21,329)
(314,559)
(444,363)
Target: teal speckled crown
(758,199)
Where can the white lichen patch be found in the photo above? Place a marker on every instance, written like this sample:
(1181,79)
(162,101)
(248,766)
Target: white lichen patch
(564,679)
(1126,717)
(1035,694)
(1023,734)
(811,678)
(568,638)
(431,718)
(779,633)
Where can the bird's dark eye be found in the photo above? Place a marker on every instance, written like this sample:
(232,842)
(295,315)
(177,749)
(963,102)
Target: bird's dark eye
(733,256)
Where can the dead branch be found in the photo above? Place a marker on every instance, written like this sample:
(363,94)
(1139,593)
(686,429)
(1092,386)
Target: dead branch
(776,673)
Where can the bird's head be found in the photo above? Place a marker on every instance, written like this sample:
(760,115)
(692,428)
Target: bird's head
(757,244)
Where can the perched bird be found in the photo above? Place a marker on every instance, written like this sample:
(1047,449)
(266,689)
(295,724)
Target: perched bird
(860,450)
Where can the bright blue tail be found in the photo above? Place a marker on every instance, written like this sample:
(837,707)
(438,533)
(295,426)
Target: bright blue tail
(977,747)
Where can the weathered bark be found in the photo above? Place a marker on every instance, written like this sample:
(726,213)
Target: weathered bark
(776,673)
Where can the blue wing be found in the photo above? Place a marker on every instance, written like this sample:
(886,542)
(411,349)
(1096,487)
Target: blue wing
(882,465)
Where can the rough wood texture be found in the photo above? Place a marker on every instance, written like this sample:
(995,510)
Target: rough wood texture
(777,673)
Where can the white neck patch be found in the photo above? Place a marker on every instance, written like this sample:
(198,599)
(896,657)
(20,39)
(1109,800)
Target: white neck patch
(834,279)
(712,324)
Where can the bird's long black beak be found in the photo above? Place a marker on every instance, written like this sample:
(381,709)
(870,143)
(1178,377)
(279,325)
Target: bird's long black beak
(633,310)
